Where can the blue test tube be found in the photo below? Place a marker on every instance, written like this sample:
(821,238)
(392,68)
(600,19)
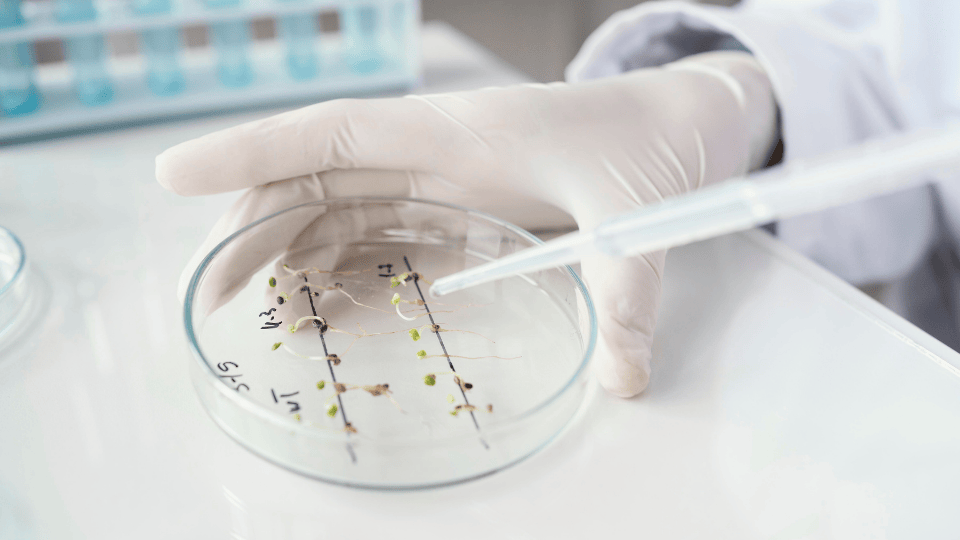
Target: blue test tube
(232,40)
(361,29)
(299,32)
(160,46)
(86,54)
(18,93)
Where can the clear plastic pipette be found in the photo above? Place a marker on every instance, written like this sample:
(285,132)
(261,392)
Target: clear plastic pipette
(799,187)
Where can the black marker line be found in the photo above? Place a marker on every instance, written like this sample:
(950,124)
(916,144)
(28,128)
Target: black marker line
(343,412)
(416,282)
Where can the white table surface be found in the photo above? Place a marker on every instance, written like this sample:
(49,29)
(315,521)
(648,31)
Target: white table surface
(784,403)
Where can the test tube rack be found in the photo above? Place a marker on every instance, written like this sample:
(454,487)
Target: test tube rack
(376,48)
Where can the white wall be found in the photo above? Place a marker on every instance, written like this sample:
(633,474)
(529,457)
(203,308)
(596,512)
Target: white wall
(537,36)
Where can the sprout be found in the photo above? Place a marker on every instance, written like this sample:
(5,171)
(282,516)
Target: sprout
(394,282)
(403,277)
(430,379)
(414,334)
(331,410)
(421,354)
(321,384)
(285,296)
(273,281)
(291,328)
(296,417)
(277,345)
(449,398)
(453,413)
(396,299)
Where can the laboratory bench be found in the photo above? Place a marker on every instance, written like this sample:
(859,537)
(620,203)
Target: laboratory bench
(784,403)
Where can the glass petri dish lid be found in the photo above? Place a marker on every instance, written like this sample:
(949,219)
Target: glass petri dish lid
(14,286)
(319,348)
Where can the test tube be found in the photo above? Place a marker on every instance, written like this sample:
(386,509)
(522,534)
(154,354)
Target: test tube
(18,93)
(86,54)
(361,29)
(299,32)
(232,40)
(160,46)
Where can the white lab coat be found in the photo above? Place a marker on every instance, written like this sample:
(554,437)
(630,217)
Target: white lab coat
(843,71)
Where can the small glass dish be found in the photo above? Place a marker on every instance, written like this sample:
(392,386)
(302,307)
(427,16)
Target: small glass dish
(369,389)
(15,291)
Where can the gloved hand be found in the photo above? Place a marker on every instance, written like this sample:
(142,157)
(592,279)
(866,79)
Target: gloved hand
(592,149)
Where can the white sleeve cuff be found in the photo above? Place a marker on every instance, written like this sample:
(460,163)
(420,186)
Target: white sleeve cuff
(833,89)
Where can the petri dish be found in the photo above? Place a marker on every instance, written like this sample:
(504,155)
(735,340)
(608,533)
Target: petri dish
(319,348)
(15,291)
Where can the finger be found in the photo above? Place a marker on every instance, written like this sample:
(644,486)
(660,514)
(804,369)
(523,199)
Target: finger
(523,211)
(412,133)
(246,254)
(626,294)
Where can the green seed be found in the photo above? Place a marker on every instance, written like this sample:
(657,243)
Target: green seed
(273,281)
(321,384)
(430,379)
(277,345)
(414,334)
(421,354)
(331,410)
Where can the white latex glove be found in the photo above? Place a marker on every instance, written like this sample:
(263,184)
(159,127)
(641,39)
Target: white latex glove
(591,149)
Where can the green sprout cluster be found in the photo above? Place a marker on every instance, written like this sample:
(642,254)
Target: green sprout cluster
(414,334)
(398,280)
(421,354)
(321,384)
(331,410)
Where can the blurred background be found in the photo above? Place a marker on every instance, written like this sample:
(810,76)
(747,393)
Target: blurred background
(538,37)
(72,66)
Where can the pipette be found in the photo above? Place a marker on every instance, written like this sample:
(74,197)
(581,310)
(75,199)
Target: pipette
(875,168)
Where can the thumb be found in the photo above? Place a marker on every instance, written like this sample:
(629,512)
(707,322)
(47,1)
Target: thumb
(626,294)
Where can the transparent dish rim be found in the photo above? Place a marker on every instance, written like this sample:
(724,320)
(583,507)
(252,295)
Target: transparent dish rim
(4,287)
(264,413)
